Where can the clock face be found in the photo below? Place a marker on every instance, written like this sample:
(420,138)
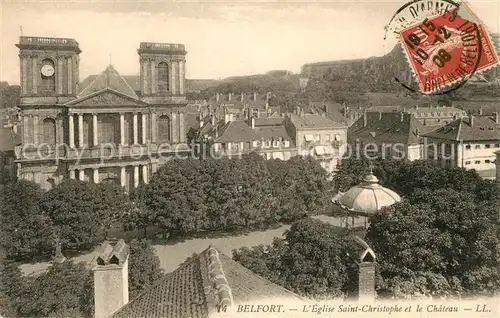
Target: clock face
(47,70)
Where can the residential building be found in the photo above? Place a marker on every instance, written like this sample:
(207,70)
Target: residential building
(240,105)
(103,130)
(9,139)
(319,136)
(468,143)
(388,135)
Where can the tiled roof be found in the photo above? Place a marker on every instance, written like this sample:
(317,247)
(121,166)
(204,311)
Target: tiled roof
(306,121)
(482,128)
(269,121)
(272,132)
(236,131)
(110,78)
(387,128)
(197,287)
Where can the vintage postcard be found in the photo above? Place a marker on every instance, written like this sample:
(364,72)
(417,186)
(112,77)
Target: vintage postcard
(248,158)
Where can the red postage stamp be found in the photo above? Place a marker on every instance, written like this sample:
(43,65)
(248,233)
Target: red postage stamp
(446,50)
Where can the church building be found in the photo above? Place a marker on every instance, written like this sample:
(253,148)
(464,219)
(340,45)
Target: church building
(108,131)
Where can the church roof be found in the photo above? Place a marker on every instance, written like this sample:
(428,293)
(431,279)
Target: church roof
(195,289)
(367,197)
(109,78)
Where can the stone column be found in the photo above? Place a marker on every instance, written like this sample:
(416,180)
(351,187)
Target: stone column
(144,131)
(145,76)
(182,133)
(72,174)
(95,131)
(96,175)
(34,65)
(172,77)
(59,77)
(135,127)
(153,127)
(182,71)
(71,131)
(145,173)
(122,177)
(26,130)
(122,129)
(154,167)
(36,125)
(154,83)
(70,76)
(174,128)
(81,174)
(24,76)
(80,130)
(136,176)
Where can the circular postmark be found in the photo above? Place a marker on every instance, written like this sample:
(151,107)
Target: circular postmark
(443,42)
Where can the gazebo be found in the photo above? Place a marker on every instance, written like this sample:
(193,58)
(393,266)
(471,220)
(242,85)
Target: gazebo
(363,200)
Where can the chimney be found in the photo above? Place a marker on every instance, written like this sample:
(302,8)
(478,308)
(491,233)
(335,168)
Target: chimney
(365,119)
(252,122)
(481,111)
(379,115)
(297,110)
(496,117)
(471,120)
(229,96)
(416,106)
(254,96)
(110,278)
(226,116)
(217,97)
(201,120)
(209,110)
(402,116)
(366,276)
(242,97)
(267,100)
(213,119)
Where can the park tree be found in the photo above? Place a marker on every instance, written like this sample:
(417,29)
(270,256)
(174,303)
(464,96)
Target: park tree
(312,260)
(301,187)
(12,287)
(438,243)
(112,204)
(144,267)
(74,208)
(25,230)
(66,289)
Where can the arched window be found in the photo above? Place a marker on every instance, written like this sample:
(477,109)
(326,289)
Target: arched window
(48,76)
(49,131)
(164,128)
(163,74)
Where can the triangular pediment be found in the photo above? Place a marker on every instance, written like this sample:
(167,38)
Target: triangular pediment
(105,97)
(109,78)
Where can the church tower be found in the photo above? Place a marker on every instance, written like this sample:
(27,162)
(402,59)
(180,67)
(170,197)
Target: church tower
(49,79)
(49,69)
(163,68)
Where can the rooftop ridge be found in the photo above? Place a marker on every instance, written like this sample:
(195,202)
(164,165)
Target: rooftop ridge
(217,277)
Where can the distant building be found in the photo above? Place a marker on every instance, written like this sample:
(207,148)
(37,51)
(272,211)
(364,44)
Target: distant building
(240,105)
(363,200)
(431,117)
(274,137)
(468,143)
(387,135)
(9,139)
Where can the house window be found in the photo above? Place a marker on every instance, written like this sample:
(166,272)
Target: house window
(327,138)
(478,147)
(477,162)
(308,138)
(268,144)
(487,161)
(467,146)
(497,145)
(467,162)
(286,143)
(276,143)
(337,138)
(487,146)
(163,77)
(318,137)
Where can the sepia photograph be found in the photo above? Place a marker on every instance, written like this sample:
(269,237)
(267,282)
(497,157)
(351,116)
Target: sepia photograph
(249,158)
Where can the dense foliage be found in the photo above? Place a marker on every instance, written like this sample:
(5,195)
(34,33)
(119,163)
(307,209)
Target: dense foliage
(144,267)
(75,213)
(189,196)
(312,260)
(66,289)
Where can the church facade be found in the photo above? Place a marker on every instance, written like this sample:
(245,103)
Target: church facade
(108,131)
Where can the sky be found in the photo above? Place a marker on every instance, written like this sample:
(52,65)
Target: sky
(222,38)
